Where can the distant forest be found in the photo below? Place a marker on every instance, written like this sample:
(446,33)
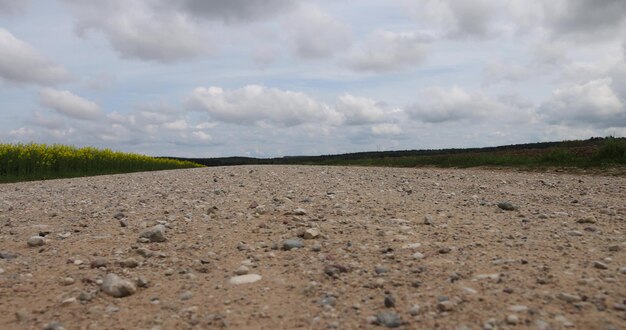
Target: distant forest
(580,148)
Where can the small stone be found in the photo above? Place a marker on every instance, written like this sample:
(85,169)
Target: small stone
(299,211)
(186,295)
(390,301)
(292,244)
(334,270)
(414,310)
(518,308)
(388,319)
(245,279)
(117,287)
(129,263)
(512,319)
(35,241)
(587,220)
(123,223)
(570,298)
(6,255)
(444,250)
(119,216)
(317,247)
(622,270)
(142,282)
(54,326)
(600,265)
(379,270)
(68,301)
(311,233)
(328,300)
(428,220)
(417,256)
(242,270)
(99,262)
(619,307)
(507,206)
(445,306)
(67,281)
(154,234)
(22,315)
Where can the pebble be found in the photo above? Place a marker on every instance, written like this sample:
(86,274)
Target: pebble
(35,241)
(317,247)
(622,270)
(444,250)
(7,255)
(379,270)
(390,301)
(418,256)
(67,281)
(600,265)
(154,234)
(445,306)
(242,270)
(414,310)
(117,287)
(428,220)
(129,263)
(518,308)
(99,262)
(54,326)
(311,233)
(512,319)
(245,279)
(570,298)
(299,211)
(388,319)
(328,300)
(507,206)
(68,301)
(186,295)
(292,244)
(587,220)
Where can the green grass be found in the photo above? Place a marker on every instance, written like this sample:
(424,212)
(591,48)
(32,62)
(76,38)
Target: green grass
(612,152)
(24,162)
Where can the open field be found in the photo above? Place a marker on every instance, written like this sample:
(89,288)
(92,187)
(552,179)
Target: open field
(412,248)
(24,162)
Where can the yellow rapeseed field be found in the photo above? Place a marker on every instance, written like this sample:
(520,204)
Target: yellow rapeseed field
(21,162)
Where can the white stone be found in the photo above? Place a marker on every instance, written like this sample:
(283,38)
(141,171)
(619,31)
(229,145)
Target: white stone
(245,279)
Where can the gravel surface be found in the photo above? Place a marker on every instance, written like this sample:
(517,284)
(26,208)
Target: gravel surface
(284,247)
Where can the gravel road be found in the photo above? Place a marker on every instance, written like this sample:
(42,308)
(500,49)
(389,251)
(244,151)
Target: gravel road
(285,247)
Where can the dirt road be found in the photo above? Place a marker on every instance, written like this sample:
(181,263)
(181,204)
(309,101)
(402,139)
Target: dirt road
(333,247)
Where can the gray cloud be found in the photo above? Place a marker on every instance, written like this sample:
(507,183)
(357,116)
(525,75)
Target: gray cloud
(20,63)
(12,7)
(68,104)
(141,30)
(389,51)
(592,103)
(237,10)
(317,34)
(585,17)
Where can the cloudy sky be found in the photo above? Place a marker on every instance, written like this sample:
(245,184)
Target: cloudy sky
(209,78)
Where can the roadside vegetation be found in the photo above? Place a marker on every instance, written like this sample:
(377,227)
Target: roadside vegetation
(24,162)
(598,153)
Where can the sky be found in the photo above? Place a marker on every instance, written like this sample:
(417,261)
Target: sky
(269,78)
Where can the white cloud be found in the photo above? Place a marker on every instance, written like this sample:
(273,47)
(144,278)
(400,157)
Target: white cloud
(68,104)
(593,103)
(316,34)
(144,30)
(386,129)
(359,110)
(41,120)
(254,104)
(389,51)
(438,105)
(497,71)
(20,63)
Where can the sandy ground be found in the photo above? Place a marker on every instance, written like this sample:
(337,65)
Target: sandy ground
(381,247)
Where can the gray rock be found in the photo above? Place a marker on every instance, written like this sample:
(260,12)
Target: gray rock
(317,247)
(154,234)
(299,211)
(414,310)
(390,301)
(54,326)
(388,319)
(428,219)
(292,244)
(570,298)
(328,300)
(6,255)
(445,306)
(186,295)
(35,241)
(587,220)
(512,319)
(507,206)
(99,262)
(311,233)
(245,279)
(117,287)
(622,270)
(129,263)
(242,270)
(379,270)
(600,265)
